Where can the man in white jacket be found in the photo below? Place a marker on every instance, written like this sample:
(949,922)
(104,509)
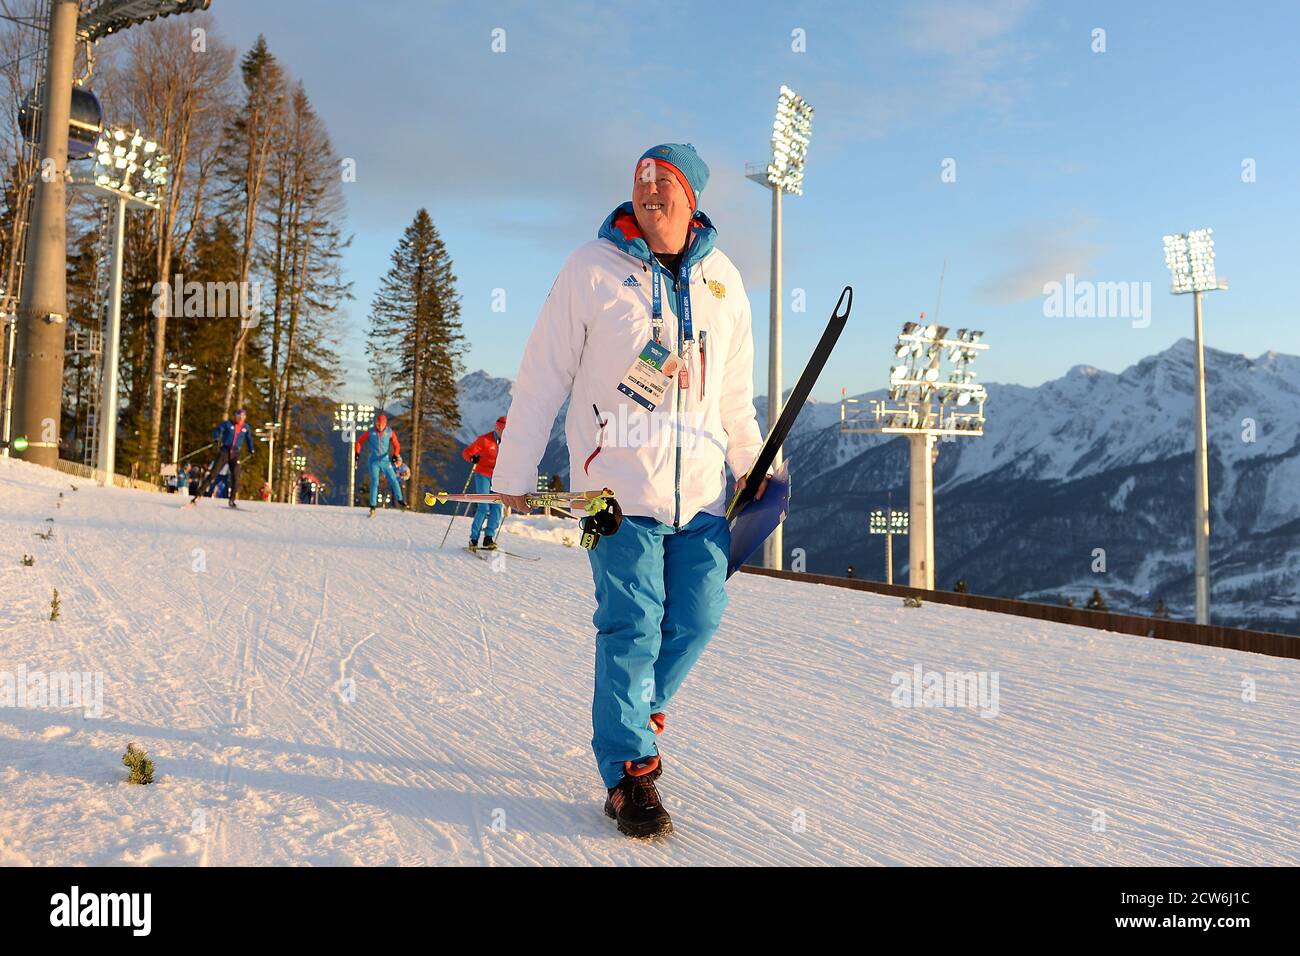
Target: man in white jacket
(647,332)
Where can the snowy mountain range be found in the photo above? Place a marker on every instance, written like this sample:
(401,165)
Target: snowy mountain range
(1091,460)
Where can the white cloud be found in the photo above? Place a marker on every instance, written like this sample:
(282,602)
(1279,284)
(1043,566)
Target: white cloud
(1040,253)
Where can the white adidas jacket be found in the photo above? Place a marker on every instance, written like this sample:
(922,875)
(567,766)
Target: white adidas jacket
(666,464)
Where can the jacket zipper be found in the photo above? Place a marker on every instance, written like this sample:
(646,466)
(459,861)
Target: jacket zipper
(677,480)
(704,362)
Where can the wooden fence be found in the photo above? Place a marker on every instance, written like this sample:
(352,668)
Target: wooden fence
(1163,629)
(94,474)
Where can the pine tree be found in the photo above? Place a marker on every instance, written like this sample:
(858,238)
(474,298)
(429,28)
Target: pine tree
(415,340)
(173,91)
(303,250)
(1096,602)
(252,136)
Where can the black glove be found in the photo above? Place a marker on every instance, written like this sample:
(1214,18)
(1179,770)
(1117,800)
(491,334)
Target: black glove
(607,521)
(473,459)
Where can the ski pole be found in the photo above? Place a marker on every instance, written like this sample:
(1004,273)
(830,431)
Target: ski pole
(197,451)
(468,479)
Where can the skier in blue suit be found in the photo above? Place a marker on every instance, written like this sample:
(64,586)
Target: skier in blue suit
(382,446)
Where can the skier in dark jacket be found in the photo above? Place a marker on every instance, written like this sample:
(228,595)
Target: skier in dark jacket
(231,437)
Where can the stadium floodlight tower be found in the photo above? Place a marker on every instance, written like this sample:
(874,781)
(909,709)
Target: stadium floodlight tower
(1190,258)
(791,133)
(924,406)
(174,379)
(348,417)
(43,299)
(888,522)
(129,173)
(267,434)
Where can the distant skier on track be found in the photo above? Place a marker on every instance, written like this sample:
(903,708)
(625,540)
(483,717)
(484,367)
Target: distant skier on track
(382,446)
(228,436)
(482,454)
(647,332)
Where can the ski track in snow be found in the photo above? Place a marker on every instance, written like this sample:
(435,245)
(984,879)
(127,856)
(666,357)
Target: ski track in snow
(465,738)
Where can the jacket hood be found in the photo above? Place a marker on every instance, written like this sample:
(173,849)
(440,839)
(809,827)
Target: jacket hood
(620,227)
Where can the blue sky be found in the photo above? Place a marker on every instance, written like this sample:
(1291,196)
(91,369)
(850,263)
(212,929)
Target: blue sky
(1067,160)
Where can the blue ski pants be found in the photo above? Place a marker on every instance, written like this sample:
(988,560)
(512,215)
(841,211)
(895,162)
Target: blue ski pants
(660,595)
(484,512)
(386,465)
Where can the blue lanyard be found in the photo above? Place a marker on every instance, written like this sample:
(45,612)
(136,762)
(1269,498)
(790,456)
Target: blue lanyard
(684,291)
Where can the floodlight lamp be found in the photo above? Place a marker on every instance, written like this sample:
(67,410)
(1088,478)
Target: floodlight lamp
(909,328)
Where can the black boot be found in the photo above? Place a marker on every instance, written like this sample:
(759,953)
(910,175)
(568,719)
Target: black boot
(634,803)
(488,543)
(473,544)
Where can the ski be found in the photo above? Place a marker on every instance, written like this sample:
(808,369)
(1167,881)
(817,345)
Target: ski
(753,521)
(794,404)
(537,499)
(604,515)
(486,554)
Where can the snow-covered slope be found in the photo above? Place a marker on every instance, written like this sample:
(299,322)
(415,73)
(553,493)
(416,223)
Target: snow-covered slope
(318,687)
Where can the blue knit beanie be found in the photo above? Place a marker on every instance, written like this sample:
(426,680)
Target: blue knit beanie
(682,159)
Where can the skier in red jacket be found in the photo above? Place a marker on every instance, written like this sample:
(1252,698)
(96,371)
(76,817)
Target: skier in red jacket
(482,453)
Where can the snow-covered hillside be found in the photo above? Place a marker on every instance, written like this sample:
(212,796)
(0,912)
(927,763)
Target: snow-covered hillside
(319,687)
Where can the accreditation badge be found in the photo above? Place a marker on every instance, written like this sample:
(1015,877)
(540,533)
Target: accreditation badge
(648,379)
